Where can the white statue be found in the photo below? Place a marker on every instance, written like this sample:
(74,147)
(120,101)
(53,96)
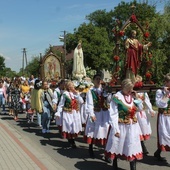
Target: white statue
(78,63)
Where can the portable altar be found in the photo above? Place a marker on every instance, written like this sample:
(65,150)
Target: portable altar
(131,55)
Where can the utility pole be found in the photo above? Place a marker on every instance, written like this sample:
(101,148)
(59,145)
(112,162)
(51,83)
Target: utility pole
(64,47)
(63,39)
(24,58)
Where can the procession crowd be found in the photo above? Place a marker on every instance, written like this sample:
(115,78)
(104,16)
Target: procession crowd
(117,121)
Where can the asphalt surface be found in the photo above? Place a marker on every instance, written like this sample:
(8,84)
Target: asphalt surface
(59,150)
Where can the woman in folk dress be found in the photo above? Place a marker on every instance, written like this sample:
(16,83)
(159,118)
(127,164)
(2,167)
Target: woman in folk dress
(163,122)
(124,140)
(142,116)
(97,125)
(69,107)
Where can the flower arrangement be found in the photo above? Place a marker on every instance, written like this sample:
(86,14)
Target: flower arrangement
(121,33)
(138,84)
(83,86)
(116,58)
(133,18)
(148,75)
(146,34)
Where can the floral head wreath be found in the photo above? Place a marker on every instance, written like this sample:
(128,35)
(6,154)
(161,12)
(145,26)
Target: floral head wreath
(138,82)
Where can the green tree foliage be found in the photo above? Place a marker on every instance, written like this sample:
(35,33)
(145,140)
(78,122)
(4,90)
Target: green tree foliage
(155,23)
(95,43)
(2,66)
(33,67)
(9,73)
(165,20)
(101,18)
(98,40)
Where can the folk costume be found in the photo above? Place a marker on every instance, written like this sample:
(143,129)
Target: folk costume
(97,106)
(83,110)
(163,122)
(143,119)
(69,109)
(56,100)
(123,120)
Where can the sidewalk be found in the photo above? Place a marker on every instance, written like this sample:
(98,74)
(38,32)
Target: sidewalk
(17,154)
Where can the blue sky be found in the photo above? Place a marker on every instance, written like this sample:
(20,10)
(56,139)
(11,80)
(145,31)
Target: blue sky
(35,24)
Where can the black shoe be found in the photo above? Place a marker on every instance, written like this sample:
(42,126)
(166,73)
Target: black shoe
(91,153)
(108,160)
(145,151)
(133,165)
(73,144)
(158,156)
(115,167)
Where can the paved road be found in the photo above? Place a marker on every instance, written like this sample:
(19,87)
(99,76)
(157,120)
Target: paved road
(72,159)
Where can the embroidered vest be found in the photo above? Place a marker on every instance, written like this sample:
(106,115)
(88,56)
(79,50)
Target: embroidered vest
(165,111)
(99,101)
(70,104)
(125,113)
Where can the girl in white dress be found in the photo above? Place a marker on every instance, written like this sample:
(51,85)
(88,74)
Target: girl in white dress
(97,125)
(163,122)
(124,140)
(142,116)
(69,107)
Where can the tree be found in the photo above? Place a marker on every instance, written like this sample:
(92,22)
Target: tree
(2,66)
(95,43)
(9,73)
(33,67)
(101,18)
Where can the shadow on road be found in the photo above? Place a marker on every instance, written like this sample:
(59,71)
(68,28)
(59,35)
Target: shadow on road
(86,164)
(151,160)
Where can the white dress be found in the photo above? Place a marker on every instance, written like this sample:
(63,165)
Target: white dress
(83,110)
(123,121)
(57,96)
(163,120)
(71,120)
(143,118)
(96,132)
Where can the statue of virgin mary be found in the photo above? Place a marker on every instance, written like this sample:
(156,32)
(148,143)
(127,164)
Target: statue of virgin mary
(78,63)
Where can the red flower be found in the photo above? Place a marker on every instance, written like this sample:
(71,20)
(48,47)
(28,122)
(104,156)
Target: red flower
(121,33)
(116,58)
(133,18)
(146,34)
(148,75)
(112,83)
(138,84)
